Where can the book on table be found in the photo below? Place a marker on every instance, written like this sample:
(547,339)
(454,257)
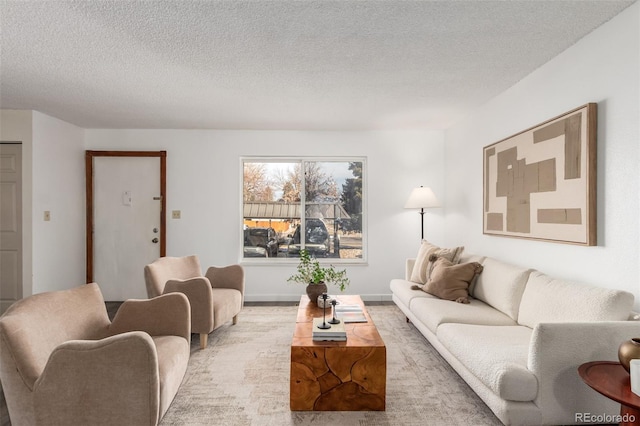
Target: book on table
(350,313)
(336,333)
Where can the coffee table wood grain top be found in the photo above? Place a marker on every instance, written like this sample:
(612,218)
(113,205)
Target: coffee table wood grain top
(358,334)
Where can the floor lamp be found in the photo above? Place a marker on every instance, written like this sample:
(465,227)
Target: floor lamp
(422,198)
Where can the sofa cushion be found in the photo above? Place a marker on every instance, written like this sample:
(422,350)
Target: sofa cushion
(497,355)
(402,290)
(466,257)
(546,299)
(422,266)
(501,285)
(433,312)
(450,281)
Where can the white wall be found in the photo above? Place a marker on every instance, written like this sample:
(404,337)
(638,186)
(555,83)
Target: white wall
(16,126)
(604,68)
(58,186)
(203,181)
(53,180)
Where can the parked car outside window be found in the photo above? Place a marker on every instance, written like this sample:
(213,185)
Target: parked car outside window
(260,242)
(317,239)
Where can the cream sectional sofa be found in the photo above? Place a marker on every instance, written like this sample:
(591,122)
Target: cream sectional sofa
(520,340)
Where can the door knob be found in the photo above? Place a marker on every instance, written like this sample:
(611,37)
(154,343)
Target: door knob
(155,241)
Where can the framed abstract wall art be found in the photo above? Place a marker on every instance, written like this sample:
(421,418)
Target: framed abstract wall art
(541,183)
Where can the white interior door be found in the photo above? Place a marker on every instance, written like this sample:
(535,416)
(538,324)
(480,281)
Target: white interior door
(10,224)
(126,216)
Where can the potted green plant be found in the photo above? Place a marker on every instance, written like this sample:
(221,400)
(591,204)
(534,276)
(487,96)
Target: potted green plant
(317,277)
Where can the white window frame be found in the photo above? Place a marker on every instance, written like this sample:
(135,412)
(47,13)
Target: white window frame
(301,159)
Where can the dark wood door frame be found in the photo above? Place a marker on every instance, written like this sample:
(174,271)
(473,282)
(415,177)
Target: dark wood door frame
(88,160)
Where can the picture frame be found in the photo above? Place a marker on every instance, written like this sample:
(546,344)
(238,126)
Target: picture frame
(541,183)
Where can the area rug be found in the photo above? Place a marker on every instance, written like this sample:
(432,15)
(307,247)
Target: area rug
(242,378)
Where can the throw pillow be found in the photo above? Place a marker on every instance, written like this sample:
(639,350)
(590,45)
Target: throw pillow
(420,272)
(451,282)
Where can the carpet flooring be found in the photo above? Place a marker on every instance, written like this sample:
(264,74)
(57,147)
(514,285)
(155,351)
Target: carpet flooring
(242,378)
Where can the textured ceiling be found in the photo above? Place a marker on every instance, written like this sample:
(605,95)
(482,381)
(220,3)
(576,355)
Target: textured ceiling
(335,65)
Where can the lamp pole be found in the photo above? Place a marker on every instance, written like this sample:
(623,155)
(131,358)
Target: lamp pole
(421,198)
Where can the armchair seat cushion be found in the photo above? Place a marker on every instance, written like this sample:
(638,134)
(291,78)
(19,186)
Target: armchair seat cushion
(227,303)
(173,357)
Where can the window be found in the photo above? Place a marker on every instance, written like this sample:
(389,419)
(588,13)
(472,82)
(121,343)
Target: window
(313,204)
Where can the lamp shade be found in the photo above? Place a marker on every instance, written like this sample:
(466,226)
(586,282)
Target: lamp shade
(422,198)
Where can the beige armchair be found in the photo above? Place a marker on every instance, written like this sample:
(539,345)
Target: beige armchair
(215,298)
(63,362)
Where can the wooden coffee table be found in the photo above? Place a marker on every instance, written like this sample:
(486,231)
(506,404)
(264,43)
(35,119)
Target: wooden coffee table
(612,380)
(337,376)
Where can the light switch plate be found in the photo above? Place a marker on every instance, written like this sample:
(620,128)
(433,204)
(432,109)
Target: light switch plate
(175,214)
(127,199)
(47,215)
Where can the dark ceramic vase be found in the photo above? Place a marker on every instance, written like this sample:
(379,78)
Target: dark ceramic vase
(629,350)
(315,290)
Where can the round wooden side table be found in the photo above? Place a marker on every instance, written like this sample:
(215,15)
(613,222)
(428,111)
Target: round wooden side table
(612,380)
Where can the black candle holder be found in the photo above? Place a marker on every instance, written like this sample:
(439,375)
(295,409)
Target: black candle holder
(334,320)
(324,325)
